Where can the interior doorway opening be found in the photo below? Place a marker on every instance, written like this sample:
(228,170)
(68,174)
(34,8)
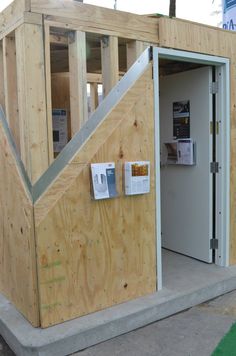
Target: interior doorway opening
(192,156)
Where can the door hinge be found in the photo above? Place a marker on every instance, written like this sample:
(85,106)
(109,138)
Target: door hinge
(217,127)
(214,243)
(214,87)
(214,167)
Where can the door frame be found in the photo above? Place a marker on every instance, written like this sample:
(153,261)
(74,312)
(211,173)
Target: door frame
(222,66)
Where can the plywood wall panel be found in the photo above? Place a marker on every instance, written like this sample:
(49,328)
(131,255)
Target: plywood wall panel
(101,252)
(18,280)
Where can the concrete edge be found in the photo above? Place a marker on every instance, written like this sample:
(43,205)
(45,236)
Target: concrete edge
(81,333)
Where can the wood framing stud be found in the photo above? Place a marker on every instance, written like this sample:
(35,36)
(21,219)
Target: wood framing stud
(2,90)
(78,80)
(94,96)
(134,50)
(110,63)
(10,86)
(47,58)
(31,99)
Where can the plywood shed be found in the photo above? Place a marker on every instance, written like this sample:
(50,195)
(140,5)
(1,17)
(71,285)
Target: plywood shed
(63,254)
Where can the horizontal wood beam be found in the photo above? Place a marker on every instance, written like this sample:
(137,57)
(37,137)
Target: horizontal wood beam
(91,77)
(25,17)
(13,13)
(59,39)
(90,18)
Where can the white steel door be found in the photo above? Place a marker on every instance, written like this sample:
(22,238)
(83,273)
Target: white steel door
(186,191)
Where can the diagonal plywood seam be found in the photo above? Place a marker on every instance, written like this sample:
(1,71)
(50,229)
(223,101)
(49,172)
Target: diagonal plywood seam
(85,134)
(73,169)
(104,109)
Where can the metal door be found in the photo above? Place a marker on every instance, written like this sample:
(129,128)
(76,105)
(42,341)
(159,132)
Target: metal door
(186,191)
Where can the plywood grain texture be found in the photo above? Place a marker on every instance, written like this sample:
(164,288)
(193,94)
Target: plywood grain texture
(18,279)
(100,252)
(31,86)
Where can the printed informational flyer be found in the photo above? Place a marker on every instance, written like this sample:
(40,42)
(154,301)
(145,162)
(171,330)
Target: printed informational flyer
(181,119)
(60,132)
(137,177)
(185,152)
(103,180)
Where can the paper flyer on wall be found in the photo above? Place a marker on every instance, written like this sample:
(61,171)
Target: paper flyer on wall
(137,177)
(60,132)
(185,152)
(181,119)
(103,180)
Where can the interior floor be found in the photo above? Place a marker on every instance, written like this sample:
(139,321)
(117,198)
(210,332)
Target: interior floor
(182,273)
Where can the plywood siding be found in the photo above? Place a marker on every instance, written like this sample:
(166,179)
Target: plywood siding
(18,281)
(194,37)
(94,254)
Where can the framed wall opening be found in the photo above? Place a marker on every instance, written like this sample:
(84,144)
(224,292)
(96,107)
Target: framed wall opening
(177,73)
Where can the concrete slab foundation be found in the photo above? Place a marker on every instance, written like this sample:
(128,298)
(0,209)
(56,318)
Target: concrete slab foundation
(187,282)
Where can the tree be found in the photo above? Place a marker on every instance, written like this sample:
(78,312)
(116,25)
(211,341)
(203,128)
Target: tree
(172,8)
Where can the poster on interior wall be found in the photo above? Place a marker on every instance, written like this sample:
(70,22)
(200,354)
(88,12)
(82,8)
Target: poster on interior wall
(60,131)
(181,119)
(229,14)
